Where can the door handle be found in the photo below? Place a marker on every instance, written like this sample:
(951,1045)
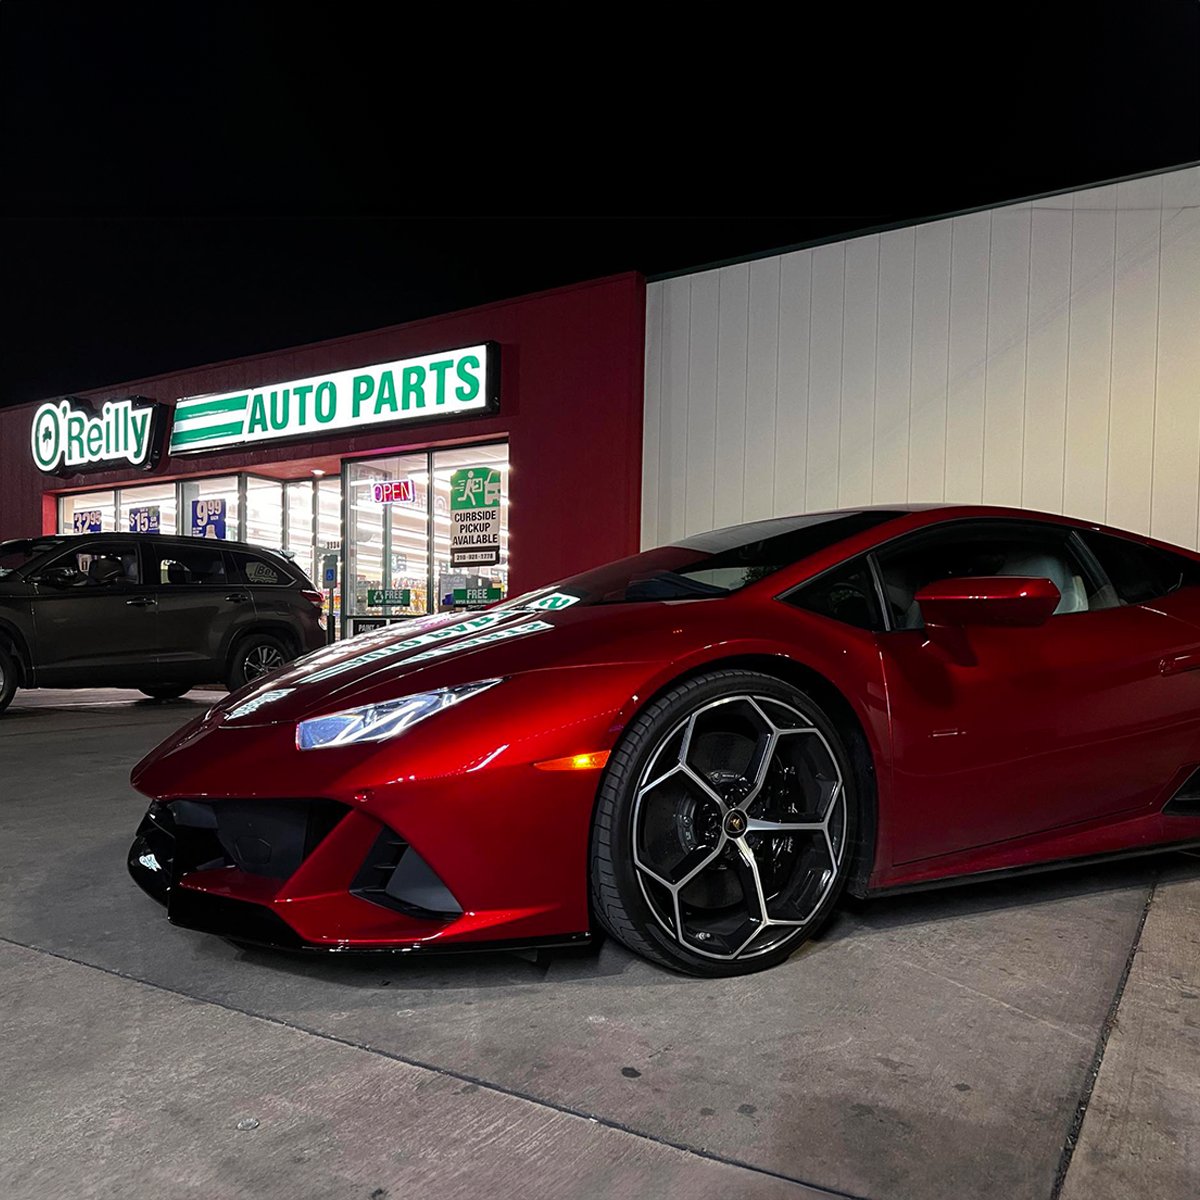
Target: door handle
(141,602)
(1176,664)
(237,597)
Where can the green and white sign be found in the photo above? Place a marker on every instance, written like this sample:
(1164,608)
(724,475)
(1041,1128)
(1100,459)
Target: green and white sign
(70,435)
(380,596)
(475,517)
(465,597)
(454,383)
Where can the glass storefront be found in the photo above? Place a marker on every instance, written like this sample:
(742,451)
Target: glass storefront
(400,530)
(426,531)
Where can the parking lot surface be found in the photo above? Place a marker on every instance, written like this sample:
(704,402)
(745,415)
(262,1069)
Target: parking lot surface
(1035,1038)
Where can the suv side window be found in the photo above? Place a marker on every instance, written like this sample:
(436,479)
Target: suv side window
(258,570)
(84,561)
(1139,573)
(988,548)
(186,566)
(846,594)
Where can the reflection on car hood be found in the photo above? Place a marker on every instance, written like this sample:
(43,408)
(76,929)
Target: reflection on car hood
(418,655)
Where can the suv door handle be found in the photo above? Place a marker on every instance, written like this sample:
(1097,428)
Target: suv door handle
(141,602)
(237,597)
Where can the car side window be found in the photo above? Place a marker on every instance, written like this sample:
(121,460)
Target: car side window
(98,565)
(987,548)
(256,570)
(187,566)
(846,594)
(1139,573)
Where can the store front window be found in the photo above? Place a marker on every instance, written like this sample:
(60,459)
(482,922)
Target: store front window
(212,507)
(264,511)
(402,554)
(152,509)
(88,512)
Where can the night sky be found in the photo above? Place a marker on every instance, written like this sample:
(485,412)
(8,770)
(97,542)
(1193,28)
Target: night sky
(189,182)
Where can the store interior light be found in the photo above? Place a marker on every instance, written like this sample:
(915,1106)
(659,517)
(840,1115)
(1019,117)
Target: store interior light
(317,472)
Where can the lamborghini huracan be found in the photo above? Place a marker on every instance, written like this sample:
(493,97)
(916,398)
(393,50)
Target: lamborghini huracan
(698,748)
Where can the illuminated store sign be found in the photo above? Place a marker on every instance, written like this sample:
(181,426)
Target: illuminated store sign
(453,383)
(69,436)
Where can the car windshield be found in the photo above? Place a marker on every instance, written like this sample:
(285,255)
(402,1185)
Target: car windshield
(14,555)
(714,564)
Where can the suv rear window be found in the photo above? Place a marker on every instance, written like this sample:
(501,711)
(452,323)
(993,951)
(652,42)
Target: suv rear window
(259,571)
(187,565)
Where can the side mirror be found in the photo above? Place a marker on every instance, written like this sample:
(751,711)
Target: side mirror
(988,600)
(60,577)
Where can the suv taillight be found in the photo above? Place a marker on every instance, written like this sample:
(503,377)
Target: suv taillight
(314,598)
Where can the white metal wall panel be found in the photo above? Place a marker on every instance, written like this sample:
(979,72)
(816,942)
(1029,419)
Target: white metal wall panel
(825,376)
(762,362)
(893,365)
(1089,352)
(1045,354)
(1046,358)
(791,415)
(733,321)
(700,477)
(1004,380)
(860,332)
(930,358)
(1134,353)
(1177,391)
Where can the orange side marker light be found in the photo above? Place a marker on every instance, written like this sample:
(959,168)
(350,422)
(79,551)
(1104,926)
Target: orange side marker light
(575,762)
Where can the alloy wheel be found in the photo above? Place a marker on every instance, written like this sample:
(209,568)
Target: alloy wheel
(261,660)
(739,827)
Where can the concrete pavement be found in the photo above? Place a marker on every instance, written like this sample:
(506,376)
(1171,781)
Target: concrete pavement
(929,1046)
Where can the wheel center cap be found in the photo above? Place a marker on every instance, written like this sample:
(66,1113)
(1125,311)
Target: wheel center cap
(736,823)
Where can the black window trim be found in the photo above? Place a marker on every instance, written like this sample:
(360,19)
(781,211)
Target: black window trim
(786,597)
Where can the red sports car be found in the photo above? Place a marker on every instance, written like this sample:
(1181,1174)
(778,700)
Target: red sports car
(697,748)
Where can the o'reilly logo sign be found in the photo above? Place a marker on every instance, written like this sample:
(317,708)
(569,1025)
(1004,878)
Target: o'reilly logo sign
(435,386)
(69,436)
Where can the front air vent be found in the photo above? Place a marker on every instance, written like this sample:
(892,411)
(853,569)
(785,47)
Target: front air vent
(260,837)
(1186,801)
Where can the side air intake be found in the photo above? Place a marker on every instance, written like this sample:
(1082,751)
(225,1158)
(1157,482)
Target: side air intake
(395,876)
(1186,801)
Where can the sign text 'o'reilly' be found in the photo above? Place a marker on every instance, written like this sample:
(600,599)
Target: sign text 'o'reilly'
(69,436)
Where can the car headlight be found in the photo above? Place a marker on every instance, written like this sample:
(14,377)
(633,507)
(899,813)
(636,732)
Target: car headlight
(375,722)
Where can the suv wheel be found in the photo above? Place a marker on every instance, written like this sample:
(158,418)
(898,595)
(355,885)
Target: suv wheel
(8,677)
(255,656)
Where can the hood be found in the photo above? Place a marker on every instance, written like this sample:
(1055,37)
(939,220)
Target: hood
(439,651)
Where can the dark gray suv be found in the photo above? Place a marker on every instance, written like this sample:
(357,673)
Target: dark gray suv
(157,613)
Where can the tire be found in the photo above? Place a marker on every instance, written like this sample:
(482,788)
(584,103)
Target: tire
(8,677)
(166,691)
(682,834)
(256,655)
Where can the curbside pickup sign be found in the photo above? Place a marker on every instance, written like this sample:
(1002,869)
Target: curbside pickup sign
(452,383)
(70,436)
(475,517)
